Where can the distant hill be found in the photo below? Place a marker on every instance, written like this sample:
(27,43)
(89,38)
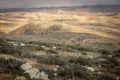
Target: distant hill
(37,28)
(97,7)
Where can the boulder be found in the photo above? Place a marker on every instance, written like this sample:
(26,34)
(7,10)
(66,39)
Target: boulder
(33,73)
(89,68)
(26,66)
(44,76)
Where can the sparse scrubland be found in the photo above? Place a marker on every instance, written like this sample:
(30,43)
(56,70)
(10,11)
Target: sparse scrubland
(59,61)
(72,44)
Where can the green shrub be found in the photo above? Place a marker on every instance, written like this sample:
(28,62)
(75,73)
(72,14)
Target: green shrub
(106,77)
(84,53)
(103,51)
(52,60)
(73,72)
(52,51)
(72,48)
(9,49)
(10,65)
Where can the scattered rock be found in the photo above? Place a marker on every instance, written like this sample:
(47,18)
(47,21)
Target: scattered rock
(55,74)
(44,47)
(26,66)
(33,73)
(54,47)
(110,56)
(55,69)
(99,72)
(14,44)
(22,44)
(44,76)
(89,68)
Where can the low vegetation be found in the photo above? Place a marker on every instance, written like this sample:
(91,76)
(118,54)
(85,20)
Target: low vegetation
(52,60)
(11,66)
(76,68)
(81,61)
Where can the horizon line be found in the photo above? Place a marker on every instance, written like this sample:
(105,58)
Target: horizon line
(63,6)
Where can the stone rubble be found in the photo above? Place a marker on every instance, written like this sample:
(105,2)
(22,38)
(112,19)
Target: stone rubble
(33,72)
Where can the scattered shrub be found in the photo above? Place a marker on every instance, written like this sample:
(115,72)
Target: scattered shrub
(73,71)
(106,77)
(52,60)
(81,61)
(52,51)
(84,53)
(10,65)
(118,51)
(9,49)
(103,51)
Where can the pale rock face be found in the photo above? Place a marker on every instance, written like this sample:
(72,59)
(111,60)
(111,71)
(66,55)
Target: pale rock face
(89,68)
(34,73)
(110,56)
(44,76)
(14,44)
(26,66)
(55,69)
(55,74)
(54,47)
(44,47)
(22,44)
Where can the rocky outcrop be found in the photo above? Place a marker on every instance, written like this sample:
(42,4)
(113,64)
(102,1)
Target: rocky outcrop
(33,72)
(26,66)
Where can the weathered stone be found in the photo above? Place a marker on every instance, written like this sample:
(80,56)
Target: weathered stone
(44,76)
(22,44)
(55,74)
(26,66)
(89,68)
(33,73)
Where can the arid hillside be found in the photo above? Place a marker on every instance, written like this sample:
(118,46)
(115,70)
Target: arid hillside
(92,20)
(63,43)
